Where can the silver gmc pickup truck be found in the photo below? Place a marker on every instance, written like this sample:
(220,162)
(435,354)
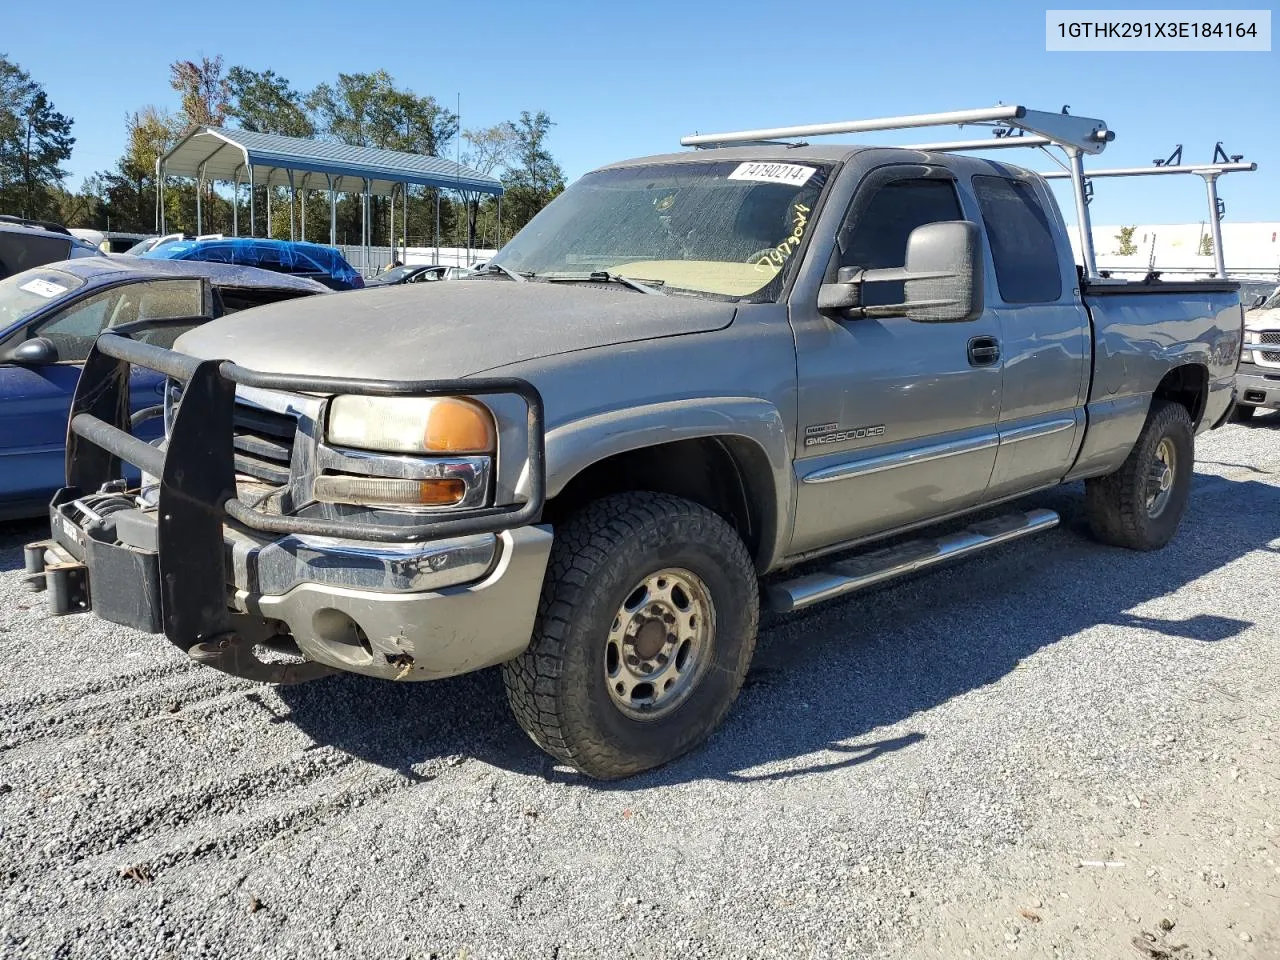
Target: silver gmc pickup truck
(693,385)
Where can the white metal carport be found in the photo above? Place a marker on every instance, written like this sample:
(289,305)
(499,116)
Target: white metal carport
(214,154)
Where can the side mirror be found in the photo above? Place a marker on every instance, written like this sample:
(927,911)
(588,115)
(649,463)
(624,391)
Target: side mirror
(944,272)
(36,352)
(943,278)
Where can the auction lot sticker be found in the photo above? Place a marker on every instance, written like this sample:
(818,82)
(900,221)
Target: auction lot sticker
(792,173)
(43,288)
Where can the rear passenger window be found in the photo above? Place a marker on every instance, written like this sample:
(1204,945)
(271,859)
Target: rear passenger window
(1022,244)
(877,235)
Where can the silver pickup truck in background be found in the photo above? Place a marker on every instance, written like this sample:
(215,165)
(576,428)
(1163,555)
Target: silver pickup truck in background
(693,384)
(1258,380)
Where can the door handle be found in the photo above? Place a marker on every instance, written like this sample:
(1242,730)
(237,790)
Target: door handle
(984,351)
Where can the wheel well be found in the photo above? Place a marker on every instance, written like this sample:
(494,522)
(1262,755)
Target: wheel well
(728,475)
(1187,385)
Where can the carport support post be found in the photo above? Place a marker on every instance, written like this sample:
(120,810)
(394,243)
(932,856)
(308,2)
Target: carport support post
(437,260)
(303,208)
(364,222)
(404,221)
(199,191)
(159,196)
(1219,257)
(293,202)
(333,212)
(253,213)
(499,243)
(235,202)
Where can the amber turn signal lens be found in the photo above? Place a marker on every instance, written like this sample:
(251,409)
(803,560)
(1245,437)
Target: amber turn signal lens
(458,426)
(374,492)
(439,493)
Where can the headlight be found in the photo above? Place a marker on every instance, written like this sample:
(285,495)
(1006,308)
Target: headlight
(411,424)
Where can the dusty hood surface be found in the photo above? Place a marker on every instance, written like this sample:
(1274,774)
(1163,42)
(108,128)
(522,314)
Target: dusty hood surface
(1262,319)
(448,329)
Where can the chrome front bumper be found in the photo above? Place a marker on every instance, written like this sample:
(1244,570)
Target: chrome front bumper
(398,611)
(1258,386)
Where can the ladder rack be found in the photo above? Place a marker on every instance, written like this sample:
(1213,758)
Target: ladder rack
(1075,136)
(1209,171)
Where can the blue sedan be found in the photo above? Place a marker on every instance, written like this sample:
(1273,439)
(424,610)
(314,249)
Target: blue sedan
(49,319)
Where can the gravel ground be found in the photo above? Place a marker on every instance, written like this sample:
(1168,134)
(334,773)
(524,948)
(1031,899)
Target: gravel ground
(1057,749)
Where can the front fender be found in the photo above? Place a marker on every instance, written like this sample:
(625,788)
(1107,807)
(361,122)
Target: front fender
(574,446)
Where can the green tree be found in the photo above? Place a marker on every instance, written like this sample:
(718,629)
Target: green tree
(264,102)
(1206,245)
(204,90)
(129,191)
(537,179)
(35,140)
(1127,247)
(368,110)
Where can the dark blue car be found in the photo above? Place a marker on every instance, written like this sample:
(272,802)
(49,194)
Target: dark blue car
(49,319)
(294,257)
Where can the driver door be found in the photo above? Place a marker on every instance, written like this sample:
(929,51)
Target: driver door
(898,418)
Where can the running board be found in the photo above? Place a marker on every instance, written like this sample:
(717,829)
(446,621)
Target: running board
(869,569)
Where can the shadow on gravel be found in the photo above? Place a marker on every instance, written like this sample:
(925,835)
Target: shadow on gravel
(823,681)
(13,535)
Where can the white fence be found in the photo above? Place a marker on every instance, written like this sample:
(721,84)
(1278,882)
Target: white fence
(1250,249)
(379,257)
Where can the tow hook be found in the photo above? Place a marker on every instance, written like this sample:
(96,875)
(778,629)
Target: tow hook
(233,654)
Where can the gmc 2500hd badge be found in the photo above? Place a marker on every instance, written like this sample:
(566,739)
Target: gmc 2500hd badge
(821,433)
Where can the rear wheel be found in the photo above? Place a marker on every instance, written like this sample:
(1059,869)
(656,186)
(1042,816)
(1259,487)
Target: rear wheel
(1140,505)
(644,633)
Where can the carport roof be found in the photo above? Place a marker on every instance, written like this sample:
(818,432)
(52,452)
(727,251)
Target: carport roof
(216,153)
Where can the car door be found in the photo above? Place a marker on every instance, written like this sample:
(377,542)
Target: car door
(1044,332)
(897,418)
(35,400)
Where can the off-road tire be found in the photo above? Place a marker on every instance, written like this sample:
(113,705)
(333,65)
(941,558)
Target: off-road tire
(1243,413)
(1116,504)
(557,688)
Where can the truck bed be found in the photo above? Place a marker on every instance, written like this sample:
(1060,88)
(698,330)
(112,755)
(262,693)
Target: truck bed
(1141,333)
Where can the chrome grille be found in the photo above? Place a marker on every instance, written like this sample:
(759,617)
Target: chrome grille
(263,443)
(1269,358)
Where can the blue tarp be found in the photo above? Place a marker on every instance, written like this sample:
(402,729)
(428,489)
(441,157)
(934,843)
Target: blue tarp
(283,256)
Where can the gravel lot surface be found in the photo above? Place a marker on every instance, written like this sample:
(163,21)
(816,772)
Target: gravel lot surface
(1057,749)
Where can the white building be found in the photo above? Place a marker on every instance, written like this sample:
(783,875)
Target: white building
(1250,249)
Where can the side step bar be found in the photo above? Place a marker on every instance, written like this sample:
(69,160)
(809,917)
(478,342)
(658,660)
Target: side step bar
(869,569)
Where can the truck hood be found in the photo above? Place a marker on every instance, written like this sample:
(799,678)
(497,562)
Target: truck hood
(447,329)
(1262,319)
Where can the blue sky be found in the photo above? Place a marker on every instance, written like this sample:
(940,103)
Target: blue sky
(626,80)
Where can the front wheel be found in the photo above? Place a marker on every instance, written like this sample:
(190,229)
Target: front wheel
(644,633)
(1140,505)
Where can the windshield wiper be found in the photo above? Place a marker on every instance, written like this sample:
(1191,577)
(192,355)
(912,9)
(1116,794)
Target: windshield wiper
(499,268)
(603,276)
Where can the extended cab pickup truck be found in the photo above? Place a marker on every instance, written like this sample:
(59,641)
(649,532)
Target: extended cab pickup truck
(691,385)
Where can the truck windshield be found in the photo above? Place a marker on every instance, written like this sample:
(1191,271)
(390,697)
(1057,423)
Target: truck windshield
(724,229)
(25,293)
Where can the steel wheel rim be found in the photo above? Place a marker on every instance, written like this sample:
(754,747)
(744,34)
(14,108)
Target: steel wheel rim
(659,643)
(1160,477)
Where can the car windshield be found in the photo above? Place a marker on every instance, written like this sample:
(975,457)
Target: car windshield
(23,294)
(724,229)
